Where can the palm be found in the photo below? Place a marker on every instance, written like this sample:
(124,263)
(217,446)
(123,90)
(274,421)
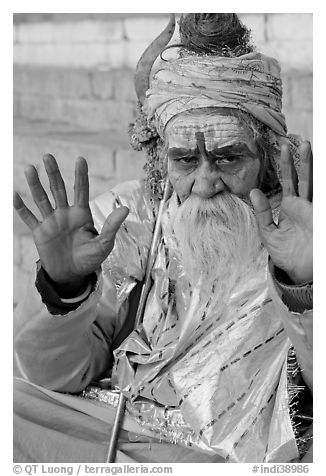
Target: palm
(67,242)
(289,242)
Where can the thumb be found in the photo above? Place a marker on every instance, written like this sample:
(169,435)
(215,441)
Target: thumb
(262,209)
(112,225)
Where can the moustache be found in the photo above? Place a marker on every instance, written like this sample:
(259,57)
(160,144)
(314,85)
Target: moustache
(224,207)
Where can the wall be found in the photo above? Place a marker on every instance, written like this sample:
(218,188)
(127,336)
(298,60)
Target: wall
(73,95)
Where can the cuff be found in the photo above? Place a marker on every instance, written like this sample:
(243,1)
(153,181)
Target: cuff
(51,298)
(297,297)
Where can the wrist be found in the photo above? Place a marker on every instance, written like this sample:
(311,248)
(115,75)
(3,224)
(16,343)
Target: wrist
(80,297)
(296,296)
(69,289)
(291,278)
(299,279)
(56,304)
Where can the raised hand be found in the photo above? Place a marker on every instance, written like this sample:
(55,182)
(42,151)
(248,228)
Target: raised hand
(69,247)
(289,242)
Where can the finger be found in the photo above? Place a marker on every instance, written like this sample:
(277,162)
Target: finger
(262,209)
(305,174)
(288,172)
(57,185)
(111,226)
(81,186)
(25,214)
(38,193)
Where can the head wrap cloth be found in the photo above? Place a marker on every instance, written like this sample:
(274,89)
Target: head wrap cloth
(250,82)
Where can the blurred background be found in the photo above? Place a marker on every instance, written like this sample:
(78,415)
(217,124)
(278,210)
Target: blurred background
(74,95)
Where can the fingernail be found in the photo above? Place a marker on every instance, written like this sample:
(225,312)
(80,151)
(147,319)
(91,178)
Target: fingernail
(253,194)
(29,167)
(305,146)
(47,157)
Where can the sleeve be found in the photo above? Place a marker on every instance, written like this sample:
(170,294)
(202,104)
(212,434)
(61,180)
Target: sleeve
(64,348)
(294,305)
(297,297)
(66,351)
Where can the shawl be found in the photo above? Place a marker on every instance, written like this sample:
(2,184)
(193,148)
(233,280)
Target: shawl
(210,376)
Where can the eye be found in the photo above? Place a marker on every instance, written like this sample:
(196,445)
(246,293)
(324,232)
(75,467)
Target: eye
(190,160)
(187,160)
(227,160)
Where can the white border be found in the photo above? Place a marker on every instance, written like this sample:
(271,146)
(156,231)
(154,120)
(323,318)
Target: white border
(107,6)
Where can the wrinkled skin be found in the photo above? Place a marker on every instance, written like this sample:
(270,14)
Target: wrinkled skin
(68,245)
(213,157)
(204,159)
(218,157)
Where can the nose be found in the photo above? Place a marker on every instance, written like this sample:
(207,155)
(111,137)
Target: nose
(208,181)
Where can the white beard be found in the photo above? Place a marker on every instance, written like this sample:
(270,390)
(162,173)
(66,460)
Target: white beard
(218,241)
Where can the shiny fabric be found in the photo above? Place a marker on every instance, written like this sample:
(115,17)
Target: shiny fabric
(62,354)
(250,82)
(50,427)
(222,364)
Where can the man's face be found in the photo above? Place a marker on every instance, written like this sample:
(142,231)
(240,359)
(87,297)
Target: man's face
(209,154)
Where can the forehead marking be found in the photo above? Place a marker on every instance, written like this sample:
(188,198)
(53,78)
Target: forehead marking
(200,139)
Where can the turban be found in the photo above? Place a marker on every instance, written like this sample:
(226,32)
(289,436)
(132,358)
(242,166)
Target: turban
(250,82)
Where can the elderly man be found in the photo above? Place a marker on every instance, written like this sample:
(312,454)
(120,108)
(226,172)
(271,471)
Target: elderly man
(219,368)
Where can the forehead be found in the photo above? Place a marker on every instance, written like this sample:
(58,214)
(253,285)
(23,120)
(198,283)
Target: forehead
(218,130)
